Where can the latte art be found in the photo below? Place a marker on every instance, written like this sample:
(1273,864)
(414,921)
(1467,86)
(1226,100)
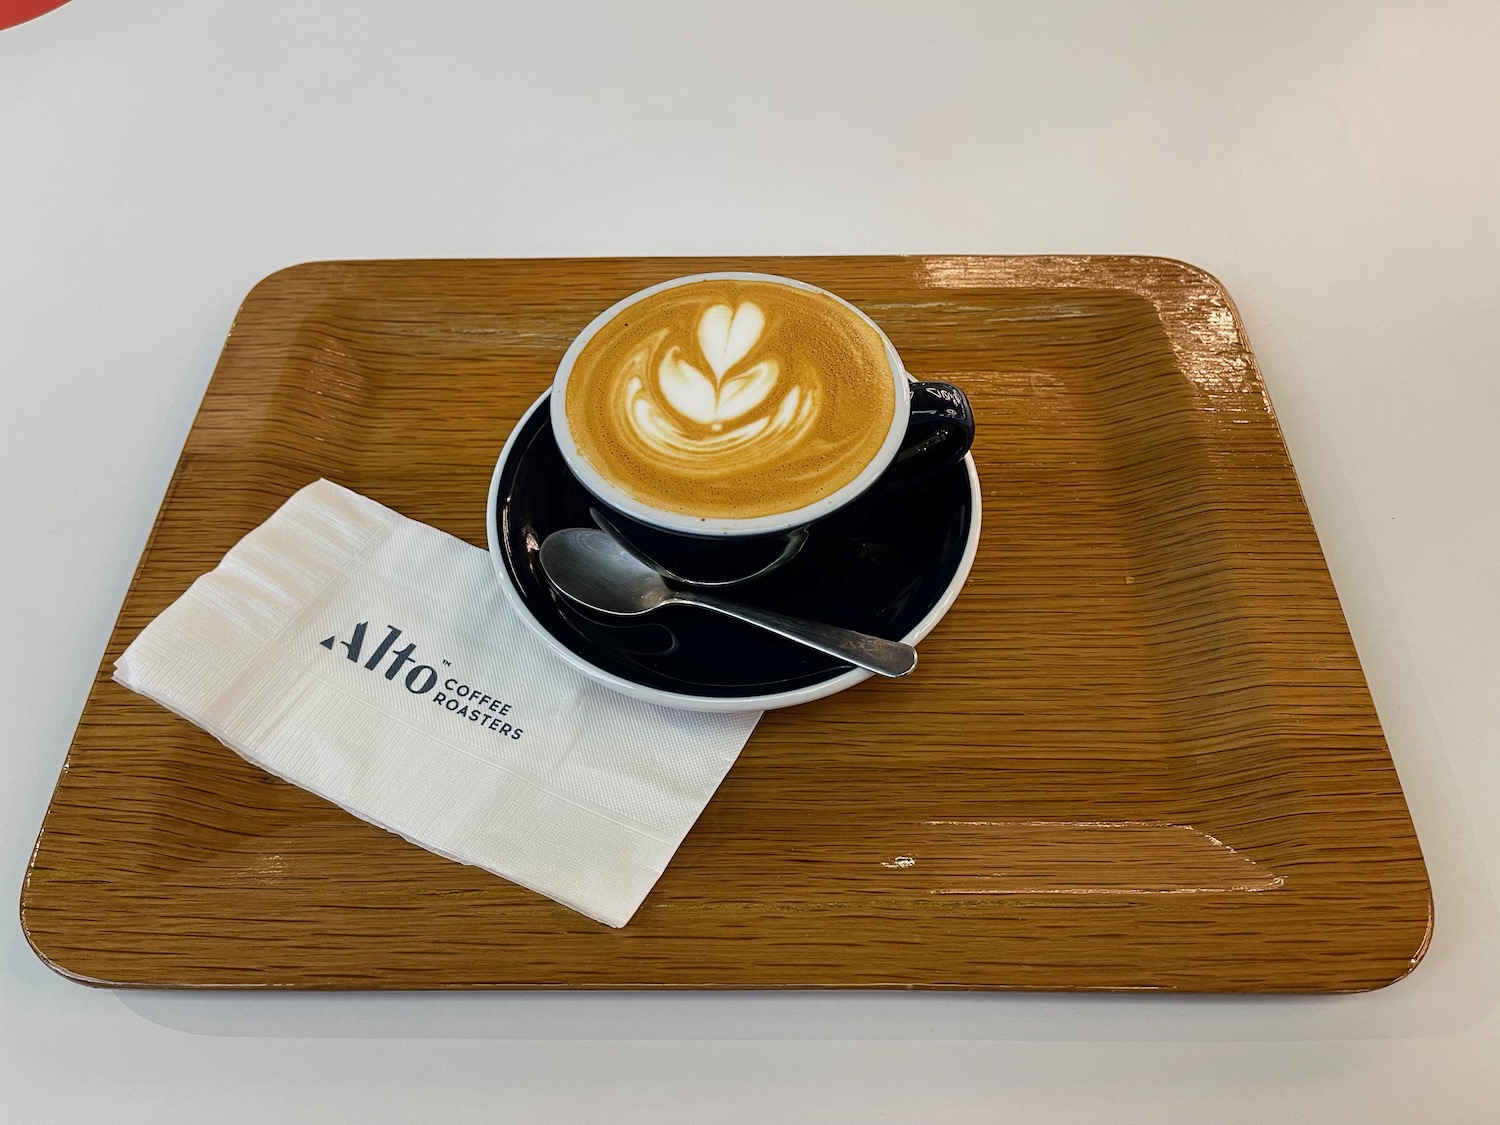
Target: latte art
(731,399)
(670,400)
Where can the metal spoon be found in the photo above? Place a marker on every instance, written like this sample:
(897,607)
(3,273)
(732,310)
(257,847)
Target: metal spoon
(593,570)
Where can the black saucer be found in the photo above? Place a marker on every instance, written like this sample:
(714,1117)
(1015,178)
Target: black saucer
(889,564)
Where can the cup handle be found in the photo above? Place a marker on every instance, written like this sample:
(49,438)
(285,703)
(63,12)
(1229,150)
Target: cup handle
(939,433)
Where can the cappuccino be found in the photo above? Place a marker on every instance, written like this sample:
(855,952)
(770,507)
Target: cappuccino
(732,398)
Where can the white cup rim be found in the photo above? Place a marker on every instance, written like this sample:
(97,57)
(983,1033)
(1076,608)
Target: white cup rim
(725,527)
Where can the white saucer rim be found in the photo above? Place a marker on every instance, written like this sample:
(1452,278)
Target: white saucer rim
(679,700)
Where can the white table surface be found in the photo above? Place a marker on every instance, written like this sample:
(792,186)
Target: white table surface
(1336,165)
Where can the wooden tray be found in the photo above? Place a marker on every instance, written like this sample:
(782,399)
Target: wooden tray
(1138,754)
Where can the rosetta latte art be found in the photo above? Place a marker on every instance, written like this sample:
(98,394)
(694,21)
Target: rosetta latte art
(737,409)
(747,399)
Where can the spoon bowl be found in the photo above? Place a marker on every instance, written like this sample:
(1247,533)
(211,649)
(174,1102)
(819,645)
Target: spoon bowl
(594,570)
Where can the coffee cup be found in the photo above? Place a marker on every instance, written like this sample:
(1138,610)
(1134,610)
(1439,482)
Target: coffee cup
(719,417)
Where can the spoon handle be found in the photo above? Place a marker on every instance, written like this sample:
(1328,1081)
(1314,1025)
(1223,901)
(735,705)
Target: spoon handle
(888,658)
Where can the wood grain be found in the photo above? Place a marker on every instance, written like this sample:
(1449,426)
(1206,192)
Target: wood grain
(1138,754)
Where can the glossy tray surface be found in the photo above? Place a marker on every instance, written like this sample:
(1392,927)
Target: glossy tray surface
(1138,753)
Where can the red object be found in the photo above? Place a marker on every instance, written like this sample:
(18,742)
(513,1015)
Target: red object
(13,12)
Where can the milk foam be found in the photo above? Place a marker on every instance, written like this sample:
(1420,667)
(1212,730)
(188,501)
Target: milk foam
(731,399)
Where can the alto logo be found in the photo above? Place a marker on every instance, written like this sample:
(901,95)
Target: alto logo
(484,708)
(420,678)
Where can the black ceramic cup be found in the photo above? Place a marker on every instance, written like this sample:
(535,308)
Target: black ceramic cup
(931,428)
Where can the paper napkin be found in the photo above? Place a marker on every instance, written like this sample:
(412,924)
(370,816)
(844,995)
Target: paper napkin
(374,661)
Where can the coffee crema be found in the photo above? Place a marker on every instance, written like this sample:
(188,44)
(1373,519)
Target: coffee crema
(726,399)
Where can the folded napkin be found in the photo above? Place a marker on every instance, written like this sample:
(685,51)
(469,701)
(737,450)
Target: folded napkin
(374,661)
